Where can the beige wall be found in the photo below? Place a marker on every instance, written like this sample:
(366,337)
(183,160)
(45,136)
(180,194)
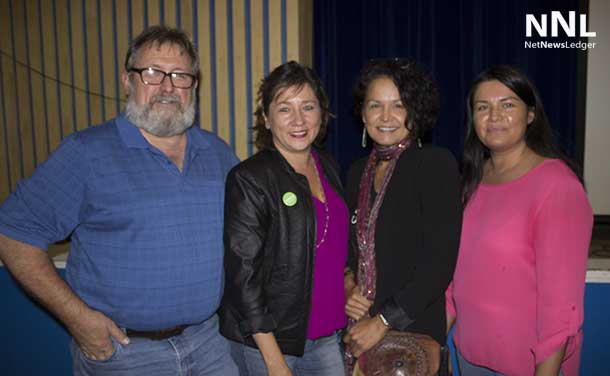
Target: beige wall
(597,136)
(59,70)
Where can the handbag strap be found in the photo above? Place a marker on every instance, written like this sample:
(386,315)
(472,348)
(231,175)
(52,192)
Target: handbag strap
(443,369)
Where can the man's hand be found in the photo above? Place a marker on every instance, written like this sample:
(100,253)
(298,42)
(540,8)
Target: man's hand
(365,334)
(36,273)
(92,331)
(356,305)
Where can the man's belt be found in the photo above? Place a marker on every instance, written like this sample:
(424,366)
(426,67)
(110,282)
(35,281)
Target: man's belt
(156,335)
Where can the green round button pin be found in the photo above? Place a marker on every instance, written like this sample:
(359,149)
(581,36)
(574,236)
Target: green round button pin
(289,199)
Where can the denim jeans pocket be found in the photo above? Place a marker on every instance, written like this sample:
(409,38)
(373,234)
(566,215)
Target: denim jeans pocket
(116,350)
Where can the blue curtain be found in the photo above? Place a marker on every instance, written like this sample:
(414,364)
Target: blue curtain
(455,41)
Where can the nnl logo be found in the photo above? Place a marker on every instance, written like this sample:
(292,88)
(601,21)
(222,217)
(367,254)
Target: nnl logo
(557,19)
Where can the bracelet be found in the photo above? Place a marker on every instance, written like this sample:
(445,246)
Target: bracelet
(384,320)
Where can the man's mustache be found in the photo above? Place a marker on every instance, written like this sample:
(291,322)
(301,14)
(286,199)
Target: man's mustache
(165,98)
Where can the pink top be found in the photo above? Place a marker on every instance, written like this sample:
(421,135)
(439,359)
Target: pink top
(519,282)
(327,312)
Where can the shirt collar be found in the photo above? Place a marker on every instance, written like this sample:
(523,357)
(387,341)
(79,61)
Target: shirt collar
(130,134)
(133,138)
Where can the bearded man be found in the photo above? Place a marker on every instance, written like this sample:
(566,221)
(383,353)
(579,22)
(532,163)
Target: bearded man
(141,198)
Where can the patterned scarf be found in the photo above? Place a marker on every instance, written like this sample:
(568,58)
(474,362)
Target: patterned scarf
(366,216)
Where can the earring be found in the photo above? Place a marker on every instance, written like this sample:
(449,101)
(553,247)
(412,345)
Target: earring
(419,145)
(363,143)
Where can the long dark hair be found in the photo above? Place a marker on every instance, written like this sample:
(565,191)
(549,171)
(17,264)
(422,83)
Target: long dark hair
(287,75)
(538,135)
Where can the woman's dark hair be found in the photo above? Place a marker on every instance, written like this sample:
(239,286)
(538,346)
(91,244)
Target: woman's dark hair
(418,91)
(287,75)
(538,135)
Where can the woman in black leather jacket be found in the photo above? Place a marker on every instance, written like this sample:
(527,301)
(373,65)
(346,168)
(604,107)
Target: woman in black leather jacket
(285,237)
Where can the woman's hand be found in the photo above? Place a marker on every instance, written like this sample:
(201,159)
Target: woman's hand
(365,334)
(272,355)
(279,371)
(356,305)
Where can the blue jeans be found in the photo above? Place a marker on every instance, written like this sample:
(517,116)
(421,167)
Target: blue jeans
(469,369)
(199,350)
(322,357)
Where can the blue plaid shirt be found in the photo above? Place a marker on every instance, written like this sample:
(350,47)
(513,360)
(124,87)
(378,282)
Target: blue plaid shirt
(146,239)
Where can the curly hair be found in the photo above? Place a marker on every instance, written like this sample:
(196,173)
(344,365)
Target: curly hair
(418,91)
(538,135)
(285,76)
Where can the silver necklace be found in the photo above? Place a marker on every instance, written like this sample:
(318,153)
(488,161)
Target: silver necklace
(325,202)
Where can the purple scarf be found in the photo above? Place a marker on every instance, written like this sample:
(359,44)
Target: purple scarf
(367,220)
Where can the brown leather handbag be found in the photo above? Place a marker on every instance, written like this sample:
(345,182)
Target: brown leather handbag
(405,354)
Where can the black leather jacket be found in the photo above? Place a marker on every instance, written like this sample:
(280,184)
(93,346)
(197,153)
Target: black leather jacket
(269,250)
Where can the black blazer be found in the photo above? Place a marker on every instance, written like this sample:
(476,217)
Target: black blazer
(416,239)
(269,250)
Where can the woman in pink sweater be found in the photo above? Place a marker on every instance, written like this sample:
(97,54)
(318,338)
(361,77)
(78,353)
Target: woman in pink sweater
(517,293)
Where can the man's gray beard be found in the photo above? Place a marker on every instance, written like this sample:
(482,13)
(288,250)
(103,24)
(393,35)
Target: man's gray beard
(164,122)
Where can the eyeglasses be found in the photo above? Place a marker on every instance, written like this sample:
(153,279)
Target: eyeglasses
(152,76)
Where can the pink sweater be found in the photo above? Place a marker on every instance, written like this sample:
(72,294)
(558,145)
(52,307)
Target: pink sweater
(518,287)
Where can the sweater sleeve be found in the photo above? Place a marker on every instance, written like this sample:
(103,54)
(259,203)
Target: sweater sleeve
(561,235)
(441,218)
(244,232)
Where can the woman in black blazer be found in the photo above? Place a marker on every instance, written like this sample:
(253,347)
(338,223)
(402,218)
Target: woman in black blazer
(404,200)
